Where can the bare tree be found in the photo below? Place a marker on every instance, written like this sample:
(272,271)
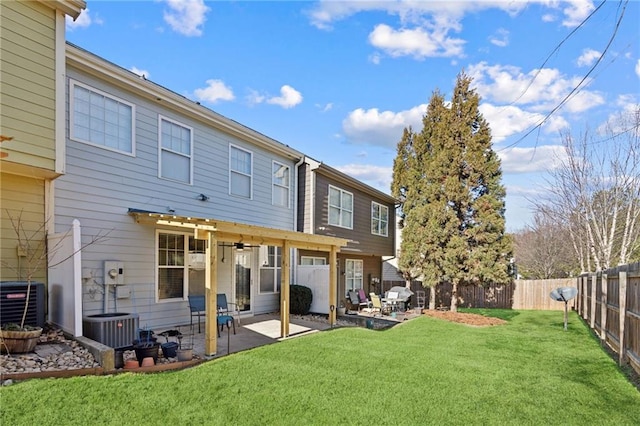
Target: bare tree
(596,192)
(544,250)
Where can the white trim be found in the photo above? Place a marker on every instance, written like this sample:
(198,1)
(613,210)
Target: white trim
(341,208)
(185,267)
(324,260)
(72,84)
(250,175)
(386,228)
(274,184)
(160,149)
(60,95)
(346,274)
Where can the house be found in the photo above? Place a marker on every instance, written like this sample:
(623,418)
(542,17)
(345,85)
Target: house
(147,196)
(32,125)
(174,200)
(332,203)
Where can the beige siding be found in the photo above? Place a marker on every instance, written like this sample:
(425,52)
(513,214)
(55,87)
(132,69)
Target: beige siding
(27,72)
(23,201)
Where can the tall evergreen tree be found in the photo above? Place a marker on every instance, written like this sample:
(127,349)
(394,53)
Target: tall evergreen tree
(448,181)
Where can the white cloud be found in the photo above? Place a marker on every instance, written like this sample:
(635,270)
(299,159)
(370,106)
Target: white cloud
(576,12)
(289,97)
(541,90)
(500,38)
(638,68)
(529,160)
(215,91)
(84,20)
(325,108)
(381,128)
(186,16)
(325,13)
(141,73)
(583,101)
(254,97)
(508,120)
(376,176)
(417,42)
(588,58)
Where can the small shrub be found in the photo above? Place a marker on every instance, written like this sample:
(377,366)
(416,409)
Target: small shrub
(301,298)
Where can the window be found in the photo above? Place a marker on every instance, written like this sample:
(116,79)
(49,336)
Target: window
(270,269)
(340,207)
(101,119)
(353,274)
(379,219)
(177,253)
(280,184)
(176,146)
(240,172)
(308,260)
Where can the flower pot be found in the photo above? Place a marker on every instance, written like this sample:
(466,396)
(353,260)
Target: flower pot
(118,359)
(184,354)
(144,350)
(131,364)
(169,349)
(19,341)
(342,311)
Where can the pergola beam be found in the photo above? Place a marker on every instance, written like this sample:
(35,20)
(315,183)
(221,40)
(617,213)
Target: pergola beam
(218,231)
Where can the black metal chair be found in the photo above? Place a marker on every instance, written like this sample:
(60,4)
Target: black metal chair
(197,308)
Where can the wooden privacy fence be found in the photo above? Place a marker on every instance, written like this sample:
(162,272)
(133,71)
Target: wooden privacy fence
(609,301)
(522,294)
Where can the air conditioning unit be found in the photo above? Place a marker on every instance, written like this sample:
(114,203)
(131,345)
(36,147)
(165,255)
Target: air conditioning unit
(13,296)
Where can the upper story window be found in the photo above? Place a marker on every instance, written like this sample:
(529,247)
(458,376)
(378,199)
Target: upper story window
(240,171)
(280,184)
(340,207)
(176,148)
(379,219)
(100,119)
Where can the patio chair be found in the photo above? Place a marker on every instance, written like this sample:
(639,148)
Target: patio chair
(363,299)
(354,300)
(376,304)
(227,308)
(197,309)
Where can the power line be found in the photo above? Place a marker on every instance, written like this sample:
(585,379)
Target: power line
(578,87)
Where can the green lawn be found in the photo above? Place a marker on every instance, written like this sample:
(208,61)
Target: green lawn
(425,371)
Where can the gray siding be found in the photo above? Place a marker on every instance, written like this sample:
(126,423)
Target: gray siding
(101,185)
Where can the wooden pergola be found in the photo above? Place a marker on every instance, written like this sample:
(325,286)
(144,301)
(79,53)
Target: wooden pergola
(218,231)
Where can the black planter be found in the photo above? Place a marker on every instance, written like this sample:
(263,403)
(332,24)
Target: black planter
(146,350)
(169,349)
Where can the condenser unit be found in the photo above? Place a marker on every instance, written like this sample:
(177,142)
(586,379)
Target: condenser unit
(13,296)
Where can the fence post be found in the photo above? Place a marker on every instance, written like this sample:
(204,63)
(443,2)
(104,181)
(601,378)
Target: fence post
(623,314)
(603,309)
(585,280)
(594,284)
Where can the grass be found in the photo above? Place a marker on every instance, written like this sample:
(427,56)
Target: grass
(425,371)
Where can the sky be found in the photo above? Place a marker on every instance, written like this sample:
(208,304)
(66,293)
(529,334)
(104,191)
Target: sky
(339,81)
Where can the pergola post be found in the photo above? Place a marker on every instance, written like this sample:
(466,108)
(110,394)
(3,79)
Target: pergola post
(211,291)
(285,289)
(333,284)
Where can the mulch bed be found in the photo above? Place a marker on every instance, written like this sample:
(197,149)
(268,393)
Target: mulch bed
(464,318)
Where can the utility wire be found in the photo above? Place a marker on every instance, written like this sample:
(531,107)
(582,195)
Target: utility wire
(580,84)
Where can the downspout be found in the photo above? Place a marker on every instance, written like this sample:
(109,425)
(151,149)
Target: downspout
(294,269)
